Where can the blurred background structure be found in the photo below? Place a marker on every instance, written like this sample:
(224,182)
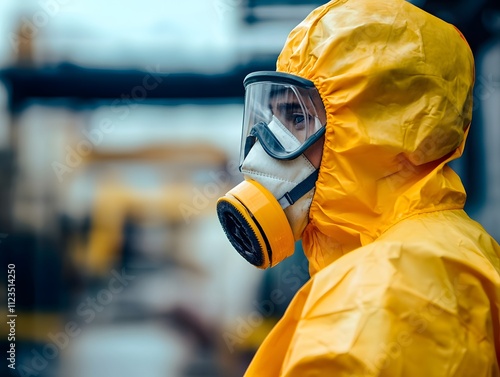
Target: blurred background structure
(119,129)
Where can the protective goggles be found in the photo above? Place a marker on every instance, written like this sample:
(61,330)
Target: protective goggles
(283,112)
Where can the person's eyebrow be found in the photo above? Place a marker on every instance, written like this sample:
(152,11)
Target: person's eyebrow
(288,106)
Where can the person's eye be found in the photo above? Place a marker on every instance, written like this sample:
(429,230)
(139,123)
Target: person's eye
(299,121)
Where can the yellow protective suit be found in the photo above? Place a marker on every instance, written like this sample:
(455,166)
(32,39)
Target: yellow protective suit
(403,282)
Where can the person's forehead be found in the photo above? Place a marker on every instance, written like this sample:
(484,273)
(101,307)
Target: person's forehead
(287,97)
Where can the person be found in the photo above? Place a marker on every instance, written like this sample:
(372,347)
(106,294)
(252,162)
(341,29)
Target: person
(370,102)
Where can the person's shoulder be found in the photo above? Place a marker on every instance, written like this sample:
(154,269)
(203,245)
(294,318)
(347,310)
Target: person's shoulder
(415,261)
(450,236)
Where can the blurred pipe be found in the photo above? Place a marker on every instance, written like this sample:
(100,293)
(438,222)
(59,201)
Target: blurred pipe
(123,86)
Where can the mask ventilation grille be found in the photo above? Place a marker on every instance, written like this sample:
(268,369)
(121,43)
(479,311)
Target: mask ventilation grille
(240,233)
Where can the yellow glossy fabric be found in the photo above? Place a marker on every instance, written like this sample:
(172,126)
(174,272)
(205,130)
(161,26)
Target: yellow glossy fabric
(403,282)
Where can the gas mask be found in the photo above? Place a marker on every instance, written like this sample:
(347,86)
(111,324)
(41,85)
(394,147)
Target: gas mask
(265,214)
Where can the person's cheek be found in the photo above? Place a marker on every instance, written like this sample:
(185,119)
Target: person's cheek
(315,152)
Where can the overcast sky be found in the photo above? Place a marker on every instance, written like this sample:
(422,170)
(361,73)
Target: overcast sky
(116,32)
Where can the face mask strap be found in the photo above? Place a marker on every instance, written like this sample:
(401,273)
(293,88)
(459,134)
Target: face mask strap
(249,143)
(299,191)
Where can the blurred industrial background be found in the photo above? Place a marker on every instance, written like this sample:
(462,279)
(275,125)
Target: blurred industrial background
(119,129)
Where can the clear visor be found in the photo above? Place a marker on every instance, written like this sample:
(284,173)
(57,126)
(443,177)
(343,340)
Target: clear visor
(283,112)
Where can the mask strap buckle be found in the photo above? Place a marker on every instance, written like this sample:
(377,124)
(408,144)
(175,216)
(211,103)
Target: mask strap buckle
(299,191)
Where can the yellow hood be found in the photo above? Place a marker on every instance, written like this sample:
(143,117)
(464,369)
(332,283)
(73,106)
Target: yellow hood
(397,88)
